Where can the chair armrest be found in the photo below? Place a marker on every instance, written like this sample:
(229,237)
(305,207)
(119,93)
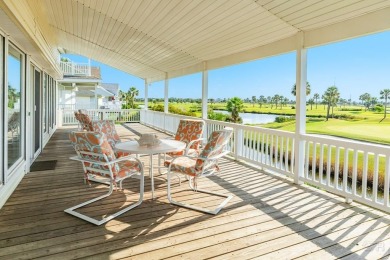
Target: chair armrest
(124,158)
(213,158)
(191,143)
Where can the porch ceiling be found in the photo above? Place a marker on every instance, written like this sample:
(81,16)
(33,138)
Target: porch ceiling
(149,38)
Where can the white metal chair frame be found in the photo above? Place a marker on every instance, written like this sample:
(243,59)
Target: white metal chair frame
(112,183)
(208,169)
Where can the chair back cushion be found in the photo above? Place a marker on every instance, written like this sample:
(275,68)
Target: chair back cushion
(108,128)
(95,143)
(190,130)
(215,145)
(86,121)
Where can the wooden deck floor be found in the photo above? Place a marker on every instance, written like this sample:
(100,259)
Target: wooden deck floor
(268,218)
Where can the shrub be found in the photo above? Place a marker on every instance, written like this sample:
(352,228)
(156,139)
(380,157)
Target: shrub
(350,109)
(282,119)
(379,108)
(217,116)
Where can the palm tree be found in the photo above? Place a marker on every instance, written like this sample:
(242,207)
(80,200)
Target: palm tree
(131,94)
(385,94)
(331,96)
(366,100)
(276,100)
(285,101)
(308,89)
(316,96)
(261,101)
(311,102)
(123,97)
(235,106)
(254,100)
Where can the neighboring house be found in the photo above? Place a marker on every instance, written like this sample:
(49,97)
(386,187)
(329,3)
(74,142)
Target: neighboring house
(82,88)
(112,102)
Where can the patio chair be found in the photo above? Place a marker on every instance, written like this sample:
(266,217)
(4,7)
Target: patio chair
(108,128)
(98,158)
(190,132)
(204,165)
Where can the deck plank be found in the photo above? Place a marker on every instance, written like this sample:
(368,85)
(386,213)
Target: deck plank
(268,217)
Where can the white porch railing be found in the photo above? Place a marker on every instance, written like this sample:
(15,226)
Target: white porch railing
(332,164)
(271,149)
(119,115)
(72,68)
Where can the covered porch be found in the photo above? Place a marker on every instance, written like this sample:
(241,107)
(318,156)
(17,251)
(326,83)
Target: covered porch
(268,217)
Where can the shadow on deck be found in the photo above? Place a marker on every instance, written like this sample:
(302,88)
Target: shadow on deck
(268,217)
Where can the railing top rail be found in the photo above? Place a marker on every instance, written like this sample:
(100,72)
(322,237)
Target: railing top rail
(233,125)
(102,110)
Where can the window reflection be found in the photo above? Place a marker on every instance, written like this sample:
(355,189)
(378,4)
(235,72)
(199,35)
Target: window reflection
(14,100)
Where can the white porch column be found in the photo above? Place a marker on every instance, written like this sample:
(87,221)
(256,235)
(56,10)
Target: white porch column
(205,90)
(166,87)
(146,95)
(300,123)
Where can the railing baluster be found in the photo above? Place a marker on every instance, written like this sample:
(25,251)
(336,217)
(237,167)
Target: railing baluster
(337,168)
(282,154)
(267,151)
(292,165)
(251,146)
(272,151)
(345,170)
(276,148)
(354,171)
(286,156)
(364,181)
(314,162)
(262,148)
(258,152)
(375,182)
(321,166)
(386,184)
(307,152)
(328,165)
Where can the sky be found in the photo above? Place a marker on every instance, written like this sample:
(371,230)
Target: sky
(355,66)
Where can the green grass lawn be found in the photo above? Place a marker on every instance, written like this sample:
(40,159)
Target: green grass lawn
(369,130)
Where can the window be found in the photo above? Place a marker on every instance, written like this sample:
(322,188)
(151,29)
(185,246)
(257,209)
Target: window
(15,103)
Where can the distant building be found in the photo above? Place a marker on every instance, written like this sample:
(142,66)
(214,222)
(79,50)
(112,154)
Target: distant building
(82,88)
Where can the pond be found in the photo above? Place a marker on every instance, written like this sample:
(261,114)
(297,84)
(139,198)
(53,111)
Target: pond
(249,118)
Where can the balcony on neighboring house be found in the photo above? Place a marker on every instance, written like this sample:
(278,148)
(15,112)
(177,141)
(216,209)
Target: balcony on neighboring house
(82,88)
(71,68)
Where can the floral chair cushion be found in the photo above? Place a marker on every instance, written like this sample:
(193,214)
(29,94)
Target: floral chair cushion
(108,128)
(193,166)
(187,131)
(214,146)
(97,143)
(183,165)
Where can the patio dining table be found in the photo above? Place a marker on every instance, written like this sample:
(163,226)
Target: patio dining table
(165,146)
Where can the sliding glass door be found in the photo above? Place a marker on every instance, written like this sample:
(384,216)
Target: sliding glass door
(14,107)
(36,74)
